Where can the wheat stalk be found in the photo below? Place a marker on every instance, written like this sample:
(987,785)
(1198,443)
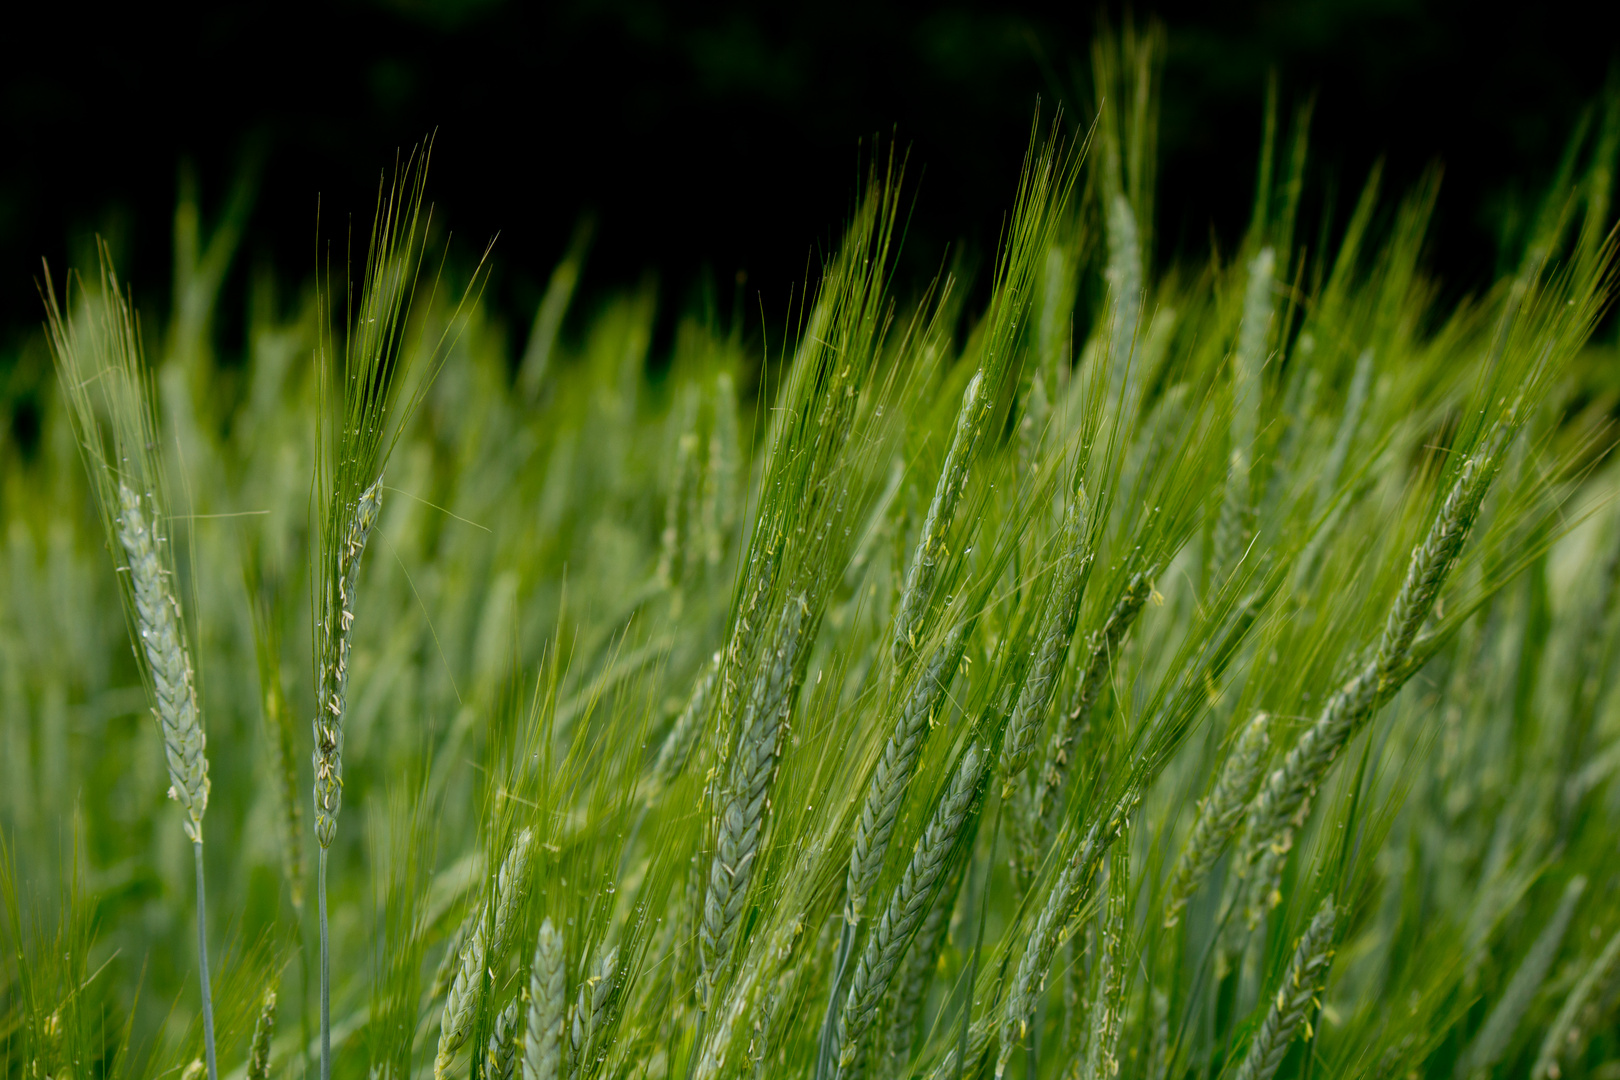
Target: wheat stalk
(1284,798)
(1101,650)
(1290,1009)
(278,731)
(683,733)
(1124,276)
(885,792)
(892,776)
(339,641)
(894,929)
(917,973)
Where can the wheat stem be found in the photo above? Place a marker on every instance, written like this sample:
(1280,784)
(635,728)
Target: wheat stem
(326,967)
(202,963)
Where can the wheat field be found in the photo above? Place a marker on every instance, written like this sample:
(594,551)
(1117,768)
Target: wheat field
(1183,671)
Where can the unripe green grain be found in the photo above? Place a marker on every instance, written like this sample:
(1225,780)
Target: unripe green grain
(1290,1009)
(745,800)
(893,932)
(930,553)
(501,1056)
(1219,815)
(163,644)
(264,1028)
(338,641)
(1067,893)
(542,1045)
(1056,633)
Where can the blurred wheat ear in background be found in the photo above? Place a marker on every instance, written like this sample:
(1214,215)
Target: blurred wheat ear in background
(1185,672)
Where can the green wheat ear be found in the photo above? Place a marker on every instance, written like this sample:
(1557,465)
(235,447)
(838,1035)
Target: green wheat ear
(108,389)
(1290,1009)
(542,1045)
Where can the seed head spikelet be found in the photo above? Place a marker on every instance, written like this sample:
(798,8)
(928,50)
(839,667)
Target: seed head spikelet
(162,640)
(593,1011)
(743,805)
(1284,798)
(328,726)
(548,1000)
(893,931)
(1219,814)
(892,777)
(501,1056)
(1124,297)
(264,1028)
(925,561)
(683,733)
(1235,522)
(363,404)
(109,391)
(1101,648)
(1067,893)
(1108,1007)
(1291,1006)
(279,727)
(445,973)
(1056,632)
(919,970)
(483,948)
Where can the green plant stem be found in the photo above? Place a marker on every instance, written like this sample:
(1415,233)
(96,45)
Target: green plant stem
(202,963)
(326,973)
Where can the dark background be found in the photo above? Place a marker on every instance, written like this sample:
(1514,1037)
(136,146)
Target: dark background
(712,138)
